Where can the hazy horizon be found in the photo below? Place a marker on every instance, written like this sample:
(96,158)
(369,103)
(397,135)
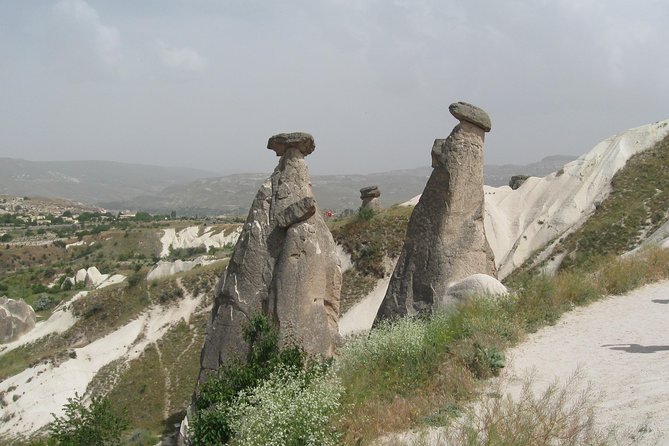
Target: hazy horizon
(203,84)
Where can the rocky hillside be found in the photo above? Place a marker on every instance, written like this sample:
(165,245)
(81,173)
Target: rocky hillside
(139,340)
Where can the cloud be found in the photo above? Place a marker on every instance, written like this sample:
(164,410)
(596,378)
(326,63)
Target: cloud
(183,59)
(106,40)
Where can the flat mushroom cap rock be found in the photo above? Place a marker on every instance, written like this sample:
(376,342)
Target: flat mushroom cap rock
(303,142)
(370,192)
(471,113)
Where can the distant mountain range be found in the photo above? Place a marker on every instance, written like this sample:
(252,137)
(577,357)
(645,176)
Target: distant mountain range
(90,181)
(119,186)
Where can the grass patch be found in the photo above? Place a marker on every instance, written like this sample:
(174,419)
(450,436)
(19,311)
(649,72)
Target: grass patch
(637,205)
(420,371)
(141,391)
(563,414)
(203,279)
(369,240)
(19,359)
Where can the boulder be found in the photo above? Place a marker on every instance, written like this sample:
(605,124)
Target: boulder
(16,319)
(80,276)
(68,283)
(94,277)
(474,285)
(472,114)
(517,180)
(445,240)
(303,142)
(284,265)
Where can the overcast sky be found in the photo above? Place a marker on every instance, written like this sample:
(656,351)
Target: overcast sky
(204,83)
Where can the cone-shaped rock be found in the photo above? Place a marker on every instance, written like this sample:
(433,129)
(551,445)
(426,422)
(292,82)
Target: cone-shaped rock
(445,240)
(284,265)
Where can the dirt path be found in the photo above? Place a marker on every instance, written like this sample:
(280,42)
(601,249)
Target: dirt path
(621,347)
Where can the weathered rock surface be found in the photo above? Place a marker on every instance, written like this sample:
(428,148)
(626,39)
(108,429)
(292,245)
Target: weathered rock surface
(517,180)
(474,285)
(165,268)
(445,239)
(303,142)
(16,319)
(284,265)
(370,198)
(92,278)
(470,113)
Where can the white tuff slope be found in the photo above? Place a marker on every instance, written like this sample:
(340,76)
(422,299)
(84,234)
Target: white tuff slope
(519,222)
(44,388)
(190,237)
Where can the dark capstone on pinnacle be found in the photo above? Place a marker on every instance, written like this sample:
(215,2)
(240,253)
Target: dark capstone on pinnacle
(303,142)
(471,113)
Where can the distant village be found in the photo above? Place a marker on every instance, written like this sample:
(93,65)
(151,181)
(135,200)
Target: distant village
(37,211)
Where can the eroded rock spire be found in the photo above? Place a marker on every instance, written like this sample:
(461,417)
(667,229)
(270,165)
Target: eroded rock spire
(445,240)
(284,265)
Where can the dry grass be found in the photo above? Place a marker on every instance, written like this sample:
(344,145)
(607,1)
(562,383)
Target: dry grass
(563,414)
(423,371)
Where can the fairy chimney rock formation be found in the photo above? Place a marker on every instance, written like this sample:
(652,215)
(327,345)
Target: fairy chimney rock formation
(284,265)
(445,240)
(370,198)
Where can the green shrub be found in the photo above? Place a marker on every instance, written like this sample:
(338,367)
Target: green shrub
(290,407)
(212,421)
(366,214)
(134,279)
(44,302)
(84,426)
(168,294)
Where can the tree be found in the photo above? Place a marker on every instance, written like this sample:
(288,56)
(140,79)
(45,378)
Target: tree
(83,426)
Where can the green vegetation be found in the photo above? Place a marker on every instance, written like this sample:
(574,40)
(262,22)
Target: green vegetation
(637,205)
(421,371)
(370,238)
(85,426)
(240,388)
(553,417)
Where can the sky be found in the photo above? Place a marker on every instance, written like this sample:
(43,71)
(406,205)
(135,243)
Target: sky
(205,83)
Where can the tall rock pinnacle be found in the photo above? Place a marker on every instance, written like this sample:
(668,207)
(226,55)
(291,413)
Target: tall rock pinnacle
(445,240)
(284,265)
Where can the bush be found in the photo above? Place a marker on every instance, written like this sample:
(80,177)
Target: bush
(169,294)
(5,238)
(134,279)
(290,407)
(562,414)
(84,426)
(212,423)
(366,214)
(44,302)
